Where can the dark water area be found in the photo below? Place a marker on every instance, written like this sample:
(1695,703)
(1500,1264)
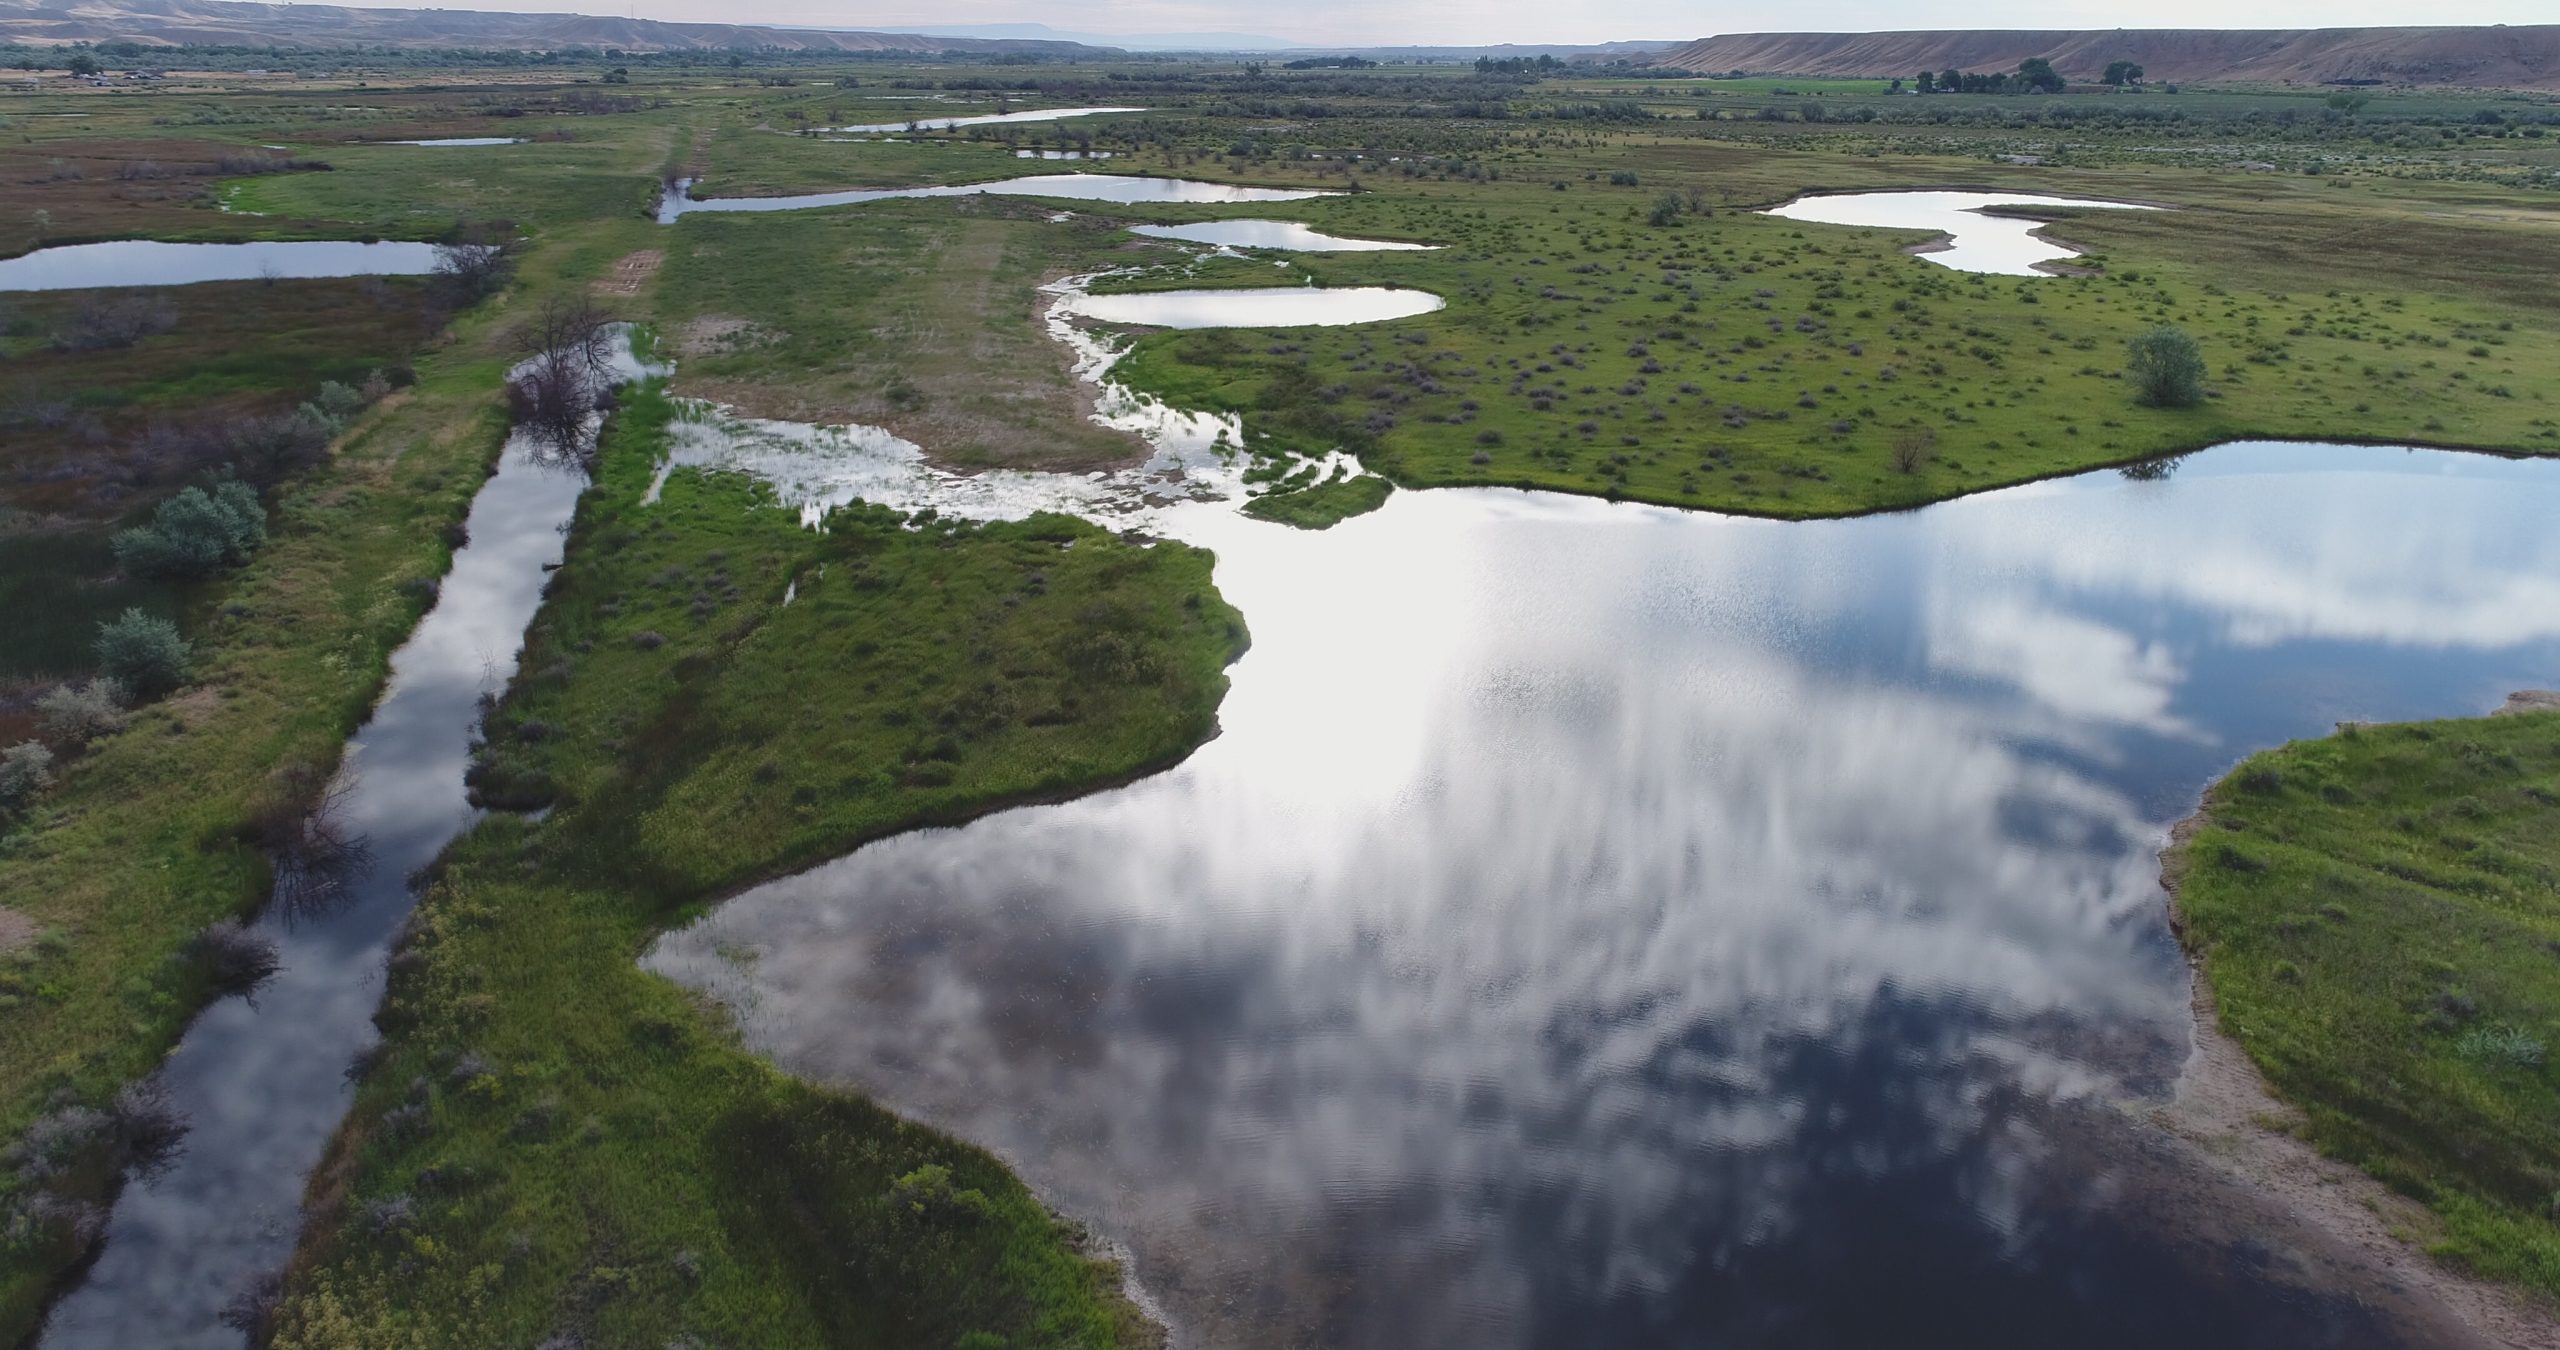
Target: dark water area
(262,1079)
(1603,925)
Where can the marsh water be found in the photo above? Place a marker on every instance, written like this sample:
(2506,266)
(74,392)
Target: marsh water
(983,119)
(1976,242)
(1274,234)
(1599,924)
(1096,187)
(262,1079)
(1255,307)
(151,262)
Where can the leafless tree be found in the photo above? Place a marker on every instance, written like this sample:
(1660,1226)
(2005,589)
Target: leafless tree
(566,373)
(1913,447)
(475,264)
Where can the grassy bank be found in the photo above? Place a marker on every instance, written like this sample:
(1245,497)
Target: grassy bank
(2379,913)
(556,1142)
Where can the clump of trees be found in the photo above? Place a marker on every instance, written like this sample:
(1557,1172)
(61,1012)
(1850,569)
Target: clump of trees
(2167,368)
(2035,75)
(2122,73)
(196,533)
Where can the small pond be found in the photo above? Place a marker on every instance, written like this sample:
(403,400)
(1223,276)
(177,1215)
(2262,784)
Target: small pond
(152,262)
(2004,245)
(1098,187)
(459,140)
(1274,234)
(982,120)
(1256,307)
(1603,925)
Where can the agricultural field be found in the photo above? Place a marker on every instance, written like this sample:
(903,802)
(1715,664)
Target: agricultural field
(724,683)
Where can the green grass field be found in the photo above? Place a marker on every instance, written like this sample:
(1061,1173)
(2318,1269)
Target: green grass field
(2379,912)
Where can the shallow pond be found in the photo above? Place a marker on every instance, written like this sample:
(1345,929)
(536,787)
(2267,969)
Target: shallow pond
(2004,245)
(1598,924)
(261,1080)
(460,140)
(151,262)
(1276,234)
(1097,187)
(983,119)
(1256,307)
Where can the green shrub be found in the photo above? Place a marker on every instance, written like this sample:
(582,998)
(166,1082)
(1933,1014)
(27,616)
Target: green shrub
(196,533)
(25,770)
(2167,368)
(143,653)
(78,714)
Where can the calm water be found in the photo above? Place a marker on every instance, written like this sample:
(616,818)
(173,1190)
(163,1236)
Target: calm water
(1979,243)
(460,140)
(150,262)
(1093,187)
(262,1080)
(1279,234)
(1603,925)
(1256,307)
(983,119)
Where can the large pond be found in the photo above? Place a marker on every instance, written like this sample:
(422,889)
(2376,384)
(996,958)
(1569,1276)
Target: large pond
(1975,242)
(1255,307)
(1603,925)
(150,262)
(1126,189)
(983,119)
(1276,234)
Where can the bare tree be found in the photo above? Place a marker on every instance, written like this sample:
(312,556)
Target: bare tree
(475,264)
(566,374)
(1913,447)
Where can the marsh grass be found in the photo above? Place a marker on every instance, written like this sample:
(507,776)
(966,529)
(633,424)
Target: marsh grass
(927,671)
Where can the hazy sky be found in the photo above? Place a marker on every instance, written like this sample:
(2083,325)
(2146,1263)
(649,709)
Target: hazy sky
(1472,22)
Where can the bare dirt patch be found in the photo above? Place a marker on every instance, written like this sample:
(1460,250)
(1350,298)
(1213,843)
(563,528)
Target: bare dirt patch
(634,271)
(17,930)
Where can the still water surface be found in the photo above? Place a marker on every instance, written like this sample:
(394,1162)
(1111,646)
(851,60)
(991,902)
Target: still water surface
(983,119)
(151,262)
(2002,245)
(1094,187)
(1255,306)
(1278,234)
(1604,925)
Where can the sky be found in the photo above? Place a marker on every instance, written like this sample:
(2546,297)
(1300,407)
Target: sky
(1478,22)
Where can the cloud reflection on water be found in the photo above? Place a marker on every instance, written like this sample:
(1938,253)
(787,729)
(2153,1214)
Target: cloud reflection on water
(1596,915)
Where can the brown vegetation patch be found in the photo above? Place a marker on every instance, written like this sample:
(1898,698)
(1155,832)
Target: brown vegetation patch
(17,930)
(634,271)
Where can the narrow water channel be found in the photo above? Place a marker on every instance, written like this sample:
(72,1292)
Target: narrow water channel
(262,1079)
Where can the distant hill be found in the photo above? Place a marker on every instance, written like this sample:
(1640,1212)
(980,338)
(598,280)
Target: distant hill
(172,23)
(1136,42)
(2501,57)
